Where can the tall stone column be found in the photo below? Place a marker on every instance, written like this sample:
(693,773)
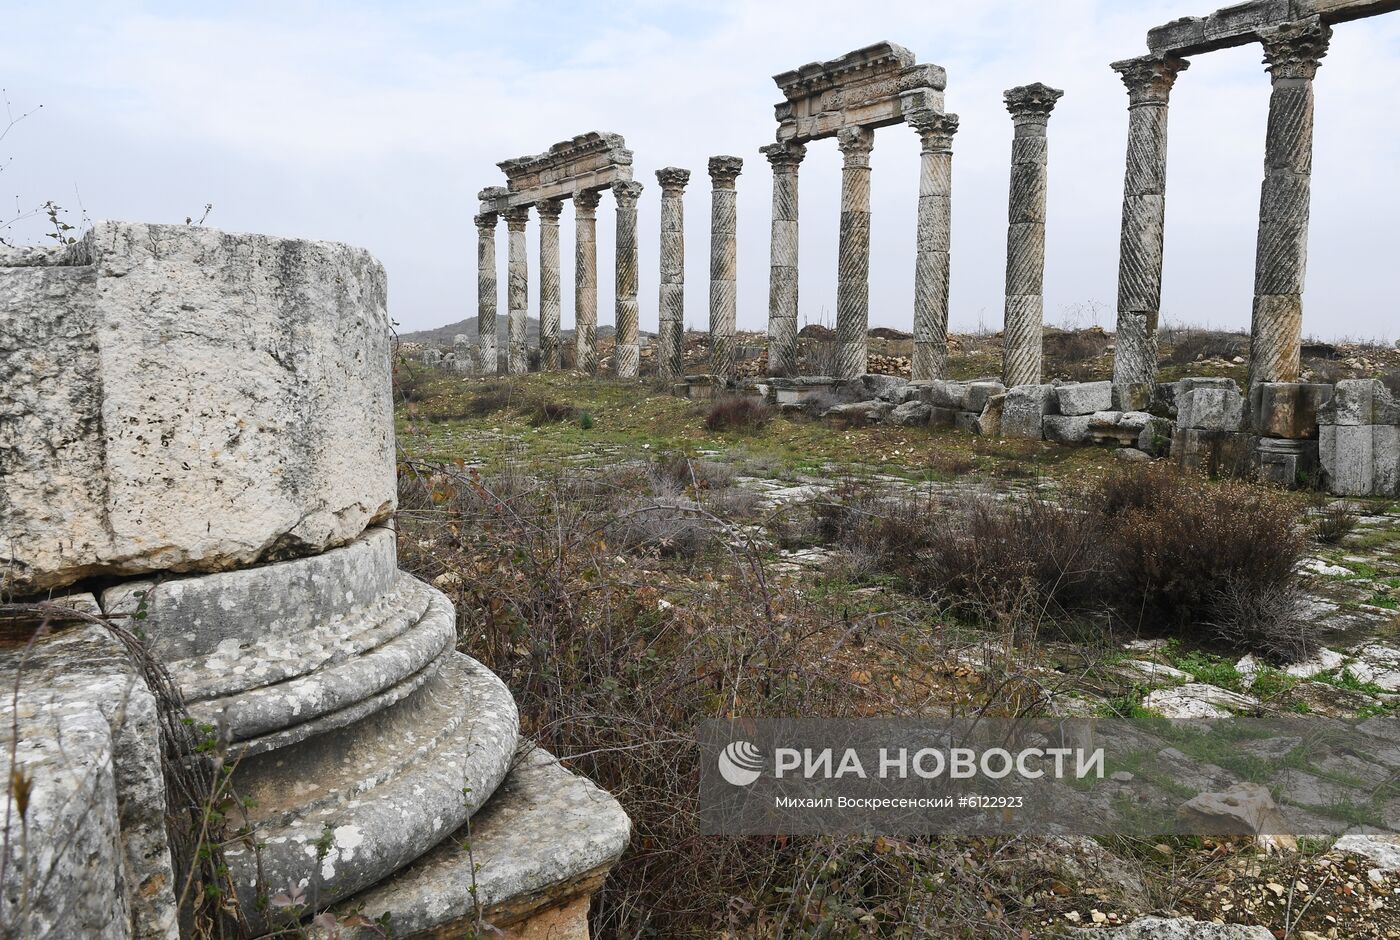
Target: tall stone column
(670,327)
(549,211)
(517,292)
(782,278)
(486,298)
(586,281)
(1030,107)
(626,352)
(936,132)
(1149,80)
(1292,53)
(853,260)
(723,264)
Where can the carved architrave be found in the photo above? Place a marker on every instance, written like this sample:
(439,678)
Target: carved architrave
(870,87)
(585,163)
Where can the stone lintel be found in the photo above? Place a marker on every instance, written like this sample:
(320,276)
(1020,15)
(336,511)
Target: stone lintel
(589,161)
(870,87)
(1239,25)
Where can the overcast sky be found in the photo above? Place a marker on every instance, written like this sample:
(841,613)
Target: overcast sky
(376,124)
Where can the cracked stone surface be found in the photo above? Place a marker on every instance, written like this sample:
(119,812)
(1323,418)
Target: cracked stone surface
(185,399)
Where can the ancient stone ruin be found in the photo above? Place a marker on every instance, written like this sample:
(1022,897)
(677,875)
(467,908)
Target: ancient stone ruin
(198,445)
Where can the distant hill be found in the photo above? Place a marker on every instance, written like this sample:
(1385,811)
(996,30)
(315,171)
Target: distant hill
(442,335)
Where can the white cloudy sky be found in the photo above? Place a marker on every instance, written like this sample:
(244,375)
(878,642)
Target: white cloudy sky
(376,124)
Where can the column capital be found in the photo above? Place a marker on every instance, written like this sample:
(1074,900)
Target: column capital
(1032,102)
(1295,50)
(516,217)
(550,209)
(627,192)
(673,179)
(784,156)
(724,170)
(855,144)
(1150,78)
(935,128)
(586,202)
(493,198)
(486,223)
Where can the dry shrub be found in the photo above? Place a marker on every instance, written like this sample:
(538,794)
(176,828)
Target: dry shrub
(670,525)
(491,398)
(551,412)
(737,413)
(613,680)
(1333,523)
(695,472)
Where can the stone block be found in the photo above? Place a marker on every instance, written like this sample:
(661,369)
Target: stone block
(1360,460)
(182,399)
(1084,398)
(1167,395)
(862,412)
(1066,429)
(989,421)
(942,417)
(1359,401)
(944,394)
(979,392)
(967,421)
(1288,409)
(911,414)
(1114,427)
(1285,462)
(1155,438)
(1024,409)
(1211,409)
(1132,396)
(873,385)
(1215,453)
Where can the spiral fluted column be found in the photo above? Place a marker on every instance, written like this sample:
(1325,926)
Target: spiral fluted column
(782,277)
(549,211)
(586,281)
(486,293)
(1030,107)
(670,326)
(724,171)
(853,261)
(626,352)
(517,292)
(1292,52)
(1149,81)
(936,132)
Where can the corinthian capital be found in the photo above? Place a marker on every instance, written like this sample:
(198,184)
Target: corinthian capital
(1295,50)
(627,192)
(673,179)
(1150,78)
(855,144)
(486,223)
(784,156)
(1031,102)
(725,170)
(550,209)
(516,217)
(586,202)
(935,128)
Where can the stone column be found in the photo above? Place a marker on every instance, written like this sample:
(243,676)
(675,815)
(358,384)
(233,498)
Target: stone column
(782,278)
(670,327)
(723,264)
(549,211)
(1292,53)
(586,281)
(1149,80)
(936,132)
(853,259)
(1030,107)
(486,299)
(517,292)
(626,352)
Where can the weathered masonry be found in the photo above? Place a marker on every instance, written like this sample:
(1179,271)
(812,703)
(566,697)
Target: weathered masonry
(1294,35)
(199,439)
(579,169)
(849,98)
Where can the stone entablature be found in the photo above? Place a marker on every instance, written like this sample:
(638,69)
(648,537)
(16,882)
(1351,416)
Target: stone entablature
(870,87)
(590,161)
(1240,25)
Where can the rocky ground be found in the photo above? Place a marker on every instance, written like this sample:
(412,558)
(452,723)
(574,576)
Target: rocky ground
(756,479)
